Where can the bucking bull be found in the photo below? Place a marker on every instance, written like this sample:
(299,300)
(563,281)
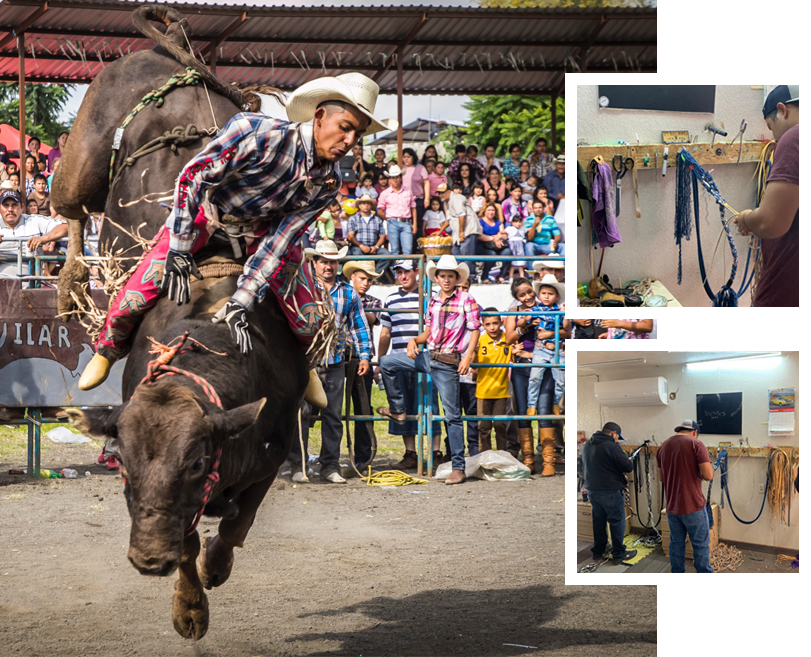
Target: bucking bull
(184,450)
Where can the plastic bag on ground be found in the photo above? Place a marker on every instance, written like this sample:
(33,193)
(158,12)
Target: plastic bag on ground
(65,435)
(492,465)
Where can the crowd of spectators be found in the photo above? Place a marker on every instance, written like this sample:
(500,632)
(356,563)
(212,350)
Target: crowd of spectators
(482,205)
(456,336)
(27,215)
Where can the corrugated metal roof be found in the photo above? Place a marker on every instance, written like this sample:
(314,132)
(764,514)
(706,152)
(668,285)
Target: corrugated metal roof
(451,50)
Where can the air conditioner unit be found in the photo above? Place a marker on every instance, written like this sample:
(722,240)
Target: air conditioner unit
(650,391)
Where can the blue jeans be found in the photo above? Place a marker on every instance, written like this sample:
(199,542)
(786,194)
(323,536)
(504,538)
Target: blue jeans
(697,526)
(380,265)
(543,355)
(445,379)
(409,384)
(401,239)
(535,249)
(519,376)
(608,506)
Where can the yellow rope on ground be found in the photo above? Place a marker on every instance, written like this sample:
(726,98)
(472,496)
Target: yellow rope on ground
(725,557)
(391,478)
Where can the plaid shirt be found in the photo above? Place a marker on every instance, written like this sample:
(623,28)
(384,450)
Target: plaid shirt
(367,301)
(451,320)
(256,169)
(510,169)
(349,318)
(547,321)
(540,166)
(366,232)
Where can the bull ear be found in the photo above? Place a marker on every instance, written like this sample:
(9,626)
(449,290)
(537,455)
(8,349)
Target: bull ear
(229,424)
(96,421)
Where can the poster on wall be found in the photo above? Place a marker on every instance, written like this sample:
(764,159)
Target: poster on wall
(720,413)
(781,412)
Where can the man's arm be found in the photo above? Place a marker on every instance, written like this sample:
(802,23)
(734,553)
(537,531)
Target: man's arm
(773,218)
(56,233)
(385,341)
(359,330)
(623,463)
(264,264)
(232,149)
(706,471)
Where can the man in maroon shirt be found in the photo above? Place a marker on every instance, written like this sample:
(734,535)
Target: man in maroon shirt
(777,219)
(684,464)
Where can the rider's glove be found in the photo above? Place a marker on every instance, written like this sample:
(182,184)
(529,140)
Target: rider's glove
(234,314)
(176,276)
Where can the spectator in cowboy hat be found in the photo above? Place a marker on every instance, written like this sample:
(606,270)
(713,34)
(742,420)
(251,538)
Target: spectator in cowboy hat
(361,274)
(452,316)
(365,233)
(544,267)
(350,319)
(397,205)
(555,181)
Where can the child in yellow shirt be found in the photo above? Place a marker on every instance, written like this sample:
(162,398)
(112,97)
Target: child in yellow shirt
(492,387)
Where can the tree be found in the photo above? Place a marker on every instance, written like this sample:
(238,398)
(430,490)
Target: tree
(43,104)
(503,120)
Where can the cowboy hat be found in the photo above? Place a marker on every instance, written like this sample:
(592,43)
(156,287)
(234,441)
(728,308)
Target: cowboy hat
(352,88)
(448,263)
(366,266)
(364,199)
(537,265)
(326,249)
(551,281)
(393,171)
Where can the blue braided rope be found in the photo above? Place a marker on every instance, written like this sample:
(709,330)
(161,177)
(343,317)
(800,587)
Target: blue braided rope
(725,488)
(690,171)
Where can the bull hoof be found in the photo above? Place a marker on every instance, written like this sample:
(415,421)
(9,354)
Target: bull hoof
(71,278)
(214,562)
(190,617)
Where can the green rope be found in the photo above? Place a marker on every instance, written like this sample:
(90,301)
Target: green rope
(190,77)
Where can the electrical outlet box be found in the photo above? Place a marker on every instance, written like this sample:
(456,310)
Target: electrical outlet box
(761,488)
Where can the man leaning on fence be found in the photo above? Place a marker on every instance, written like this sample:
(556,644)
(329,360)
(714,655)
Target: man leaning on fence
(36,229)
(349,318)
(452,313)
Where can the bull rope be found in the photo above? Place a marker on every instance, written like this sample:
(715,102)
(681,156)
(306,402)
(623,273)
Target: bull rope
(160,367)
(189,78)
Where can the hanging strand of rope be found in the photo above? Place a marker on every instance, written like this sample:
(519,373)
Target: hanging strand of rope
(779,492)
(725,488)
(690,173)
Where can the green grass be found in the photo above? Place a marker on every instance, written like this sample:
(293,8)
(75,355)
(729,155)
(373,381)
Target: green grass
(14,439)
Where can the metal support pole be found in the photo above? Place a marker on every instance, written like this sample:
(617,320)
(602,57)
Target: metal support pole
(553,137)
(400,106)
(422,428)
(21,57)
(34,431)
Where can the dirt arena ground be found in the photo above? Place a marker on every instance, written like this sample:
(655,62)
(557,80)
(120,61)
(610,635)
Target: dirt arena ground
(327,570)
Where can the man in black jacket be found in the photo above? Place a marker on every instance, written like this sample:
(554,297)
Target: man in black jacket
(604,468)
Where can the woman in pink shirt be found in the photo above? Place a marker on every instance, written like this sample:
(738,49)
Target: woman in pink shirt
(494,181)
(415,179)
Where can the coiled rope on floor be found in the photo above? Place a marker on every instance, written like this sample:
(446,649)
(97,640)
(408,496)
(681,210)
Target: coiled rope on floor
(725,557)
(391,478)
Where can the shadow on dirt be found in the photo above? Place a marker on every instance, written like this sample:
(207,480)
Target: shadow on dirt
(476,623)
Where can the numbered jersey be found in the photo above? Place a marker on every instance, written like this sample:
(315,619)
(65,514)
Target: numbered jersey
(492,382)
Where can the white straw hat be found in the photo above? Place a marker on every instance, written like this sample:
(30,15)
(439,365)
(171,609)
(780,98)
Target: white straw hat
(353,88)
(448,263)
(393,171)
(326,249)
(551,281)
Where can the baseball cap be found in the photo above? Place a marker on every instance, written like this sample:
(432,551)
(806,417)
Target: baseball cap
(612,426)
(408,265)
(688,425)
(782,93)
(12,194)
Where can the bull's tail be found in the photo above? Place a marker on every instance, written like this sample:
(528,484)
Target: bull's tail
(175,42)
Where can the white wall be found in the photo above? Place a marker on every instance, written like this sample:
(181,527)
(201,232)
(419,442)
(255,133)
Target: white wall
(641,423)
(648,247)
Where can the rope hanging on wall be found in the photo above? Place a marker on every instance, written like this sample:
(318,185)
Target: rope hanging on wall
(690,173)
